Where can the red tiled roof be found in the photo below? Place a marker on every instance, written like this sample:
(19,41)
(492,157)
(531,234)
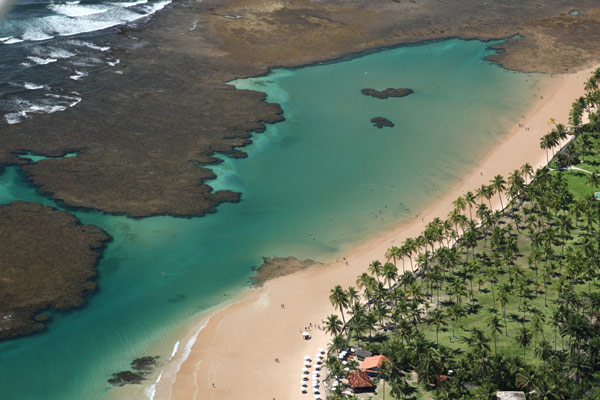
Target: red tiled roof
(373,362)
(359,380)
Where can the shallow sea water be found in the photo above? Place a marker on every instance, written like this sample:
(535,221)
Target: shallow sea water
(311,187)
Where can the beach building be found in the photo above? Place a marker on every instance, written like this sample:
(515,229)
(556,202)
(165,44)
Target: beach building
(372,365)
(361,354)
(510,395)
(360,382)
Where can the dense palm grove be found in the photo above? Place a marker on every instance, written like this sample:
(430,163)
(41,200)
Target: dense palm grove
(507,300)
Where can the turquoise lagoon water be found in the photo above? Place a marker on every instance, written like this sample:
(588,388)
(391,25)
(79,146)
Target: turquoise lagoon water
(312,186)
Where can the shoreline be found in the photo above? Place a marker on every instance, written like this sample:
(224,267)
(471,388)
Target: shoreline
(235,353)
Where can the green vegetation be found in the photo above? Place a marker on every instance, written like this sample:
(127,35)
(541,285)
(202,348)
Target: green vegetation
(506,300)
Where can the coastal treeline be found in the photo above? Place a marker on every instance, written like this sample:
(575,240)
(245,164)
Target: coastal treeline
(492,300)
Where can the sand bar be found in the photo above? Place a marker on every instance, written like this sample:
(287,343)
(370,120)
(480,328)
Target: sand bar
(234,355)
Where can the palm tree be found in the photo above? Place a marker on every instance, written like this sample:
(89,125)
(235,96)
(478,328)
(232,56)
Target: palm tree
(546,143)
(544,351)
(456,312)
(353,295)
(375,269)
(393,254)
(576,114)
(526,378)
(339,342)
(471,200)
(480,192)
(538,325)
(390,272)
(503,295)
(524,338)
(410,246)
(437,317)
(490,273)
(460,204)
(339,299)
(526,171)
(499,185)
(333,325)
(593,179)
(496,326)
(584,142)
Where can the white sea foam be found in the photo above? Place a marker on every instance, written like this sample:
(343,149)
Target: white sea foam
(14,118)
(42,61)
(34,36)
(151,391)
(173,366)
(18,116)
(76,10)
(88,62)
(72,19)
(12,40)
(88,45)
(43,107)
(131,4)
(32,86)
(113,63)
(78,75)
(60,53)
(174,350)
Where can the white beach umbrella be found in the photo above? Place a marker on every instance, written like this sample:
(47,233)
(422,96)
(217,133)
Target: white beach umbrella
(304,384)
(321,350)
(304,369)
(307,357)
(317,368)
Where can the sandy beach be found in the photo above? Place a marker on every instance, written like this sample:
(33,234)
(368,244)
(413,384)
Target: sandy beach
(234,356)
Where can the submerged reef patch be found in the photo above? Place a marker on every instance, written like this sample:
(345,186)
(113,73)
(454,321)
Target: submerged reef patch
(381,122)
(387,93)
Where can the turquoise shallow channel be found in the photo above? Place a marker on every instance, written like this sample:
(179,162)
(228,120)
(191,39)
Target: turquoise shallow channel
(312,186)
